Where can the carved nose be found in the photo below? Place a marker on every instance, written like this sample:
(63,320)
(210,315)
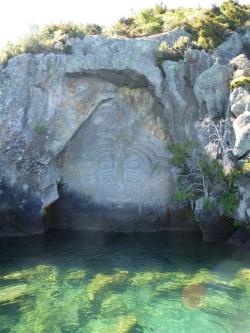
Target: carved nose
(120,174)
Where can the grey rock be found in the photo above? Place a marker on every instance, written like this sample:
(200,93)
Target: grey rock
(169,37)
(246,42)
(246,38)
(102,104)
(241,127)
(99,120)
(180,105)
(116,163)
(215,226)
(242,213)
(240,101)
(242,66)
(50,195)
(241,237)
(212,90)
(229,49)
(196,62)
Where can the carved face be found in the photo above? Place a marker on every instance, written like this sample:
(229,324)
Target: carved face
(121,170)
(114,158)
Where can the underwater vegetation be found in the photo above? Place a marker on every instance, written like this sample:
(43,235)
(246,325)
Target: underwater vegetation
(47,298)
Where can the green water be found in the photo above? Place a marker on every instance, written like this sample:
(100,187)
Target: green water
(161,283)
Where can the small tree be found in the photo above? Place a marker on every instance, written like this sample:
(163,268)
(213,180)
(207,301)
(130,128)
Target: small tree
(207,172)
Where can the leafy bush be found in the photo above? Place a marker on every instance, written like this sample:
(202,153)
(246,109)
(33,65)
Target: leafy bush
(199,176)
(240,82)
(146,22)
(207,32)
(180,153)
(50,38)
(229,201)
(209,28)
(175,53)
(174,18)
(245,168)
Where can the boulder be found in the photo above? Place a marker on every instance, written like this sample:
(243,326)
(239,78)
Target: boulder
(240,101)
(246,42)
(196,62)
(169,37)
(211,89)
(241,237)
(242,213)
(241,65)
(229,49)
(215,227)
(180,104)
(241,127)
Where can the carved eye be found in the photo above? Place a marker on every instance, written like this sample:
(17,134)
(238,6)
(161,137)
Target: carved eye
(106,163)
(133,163)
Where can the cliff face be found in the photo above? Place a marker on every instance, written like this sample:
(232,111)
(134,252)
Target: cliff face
(85,135)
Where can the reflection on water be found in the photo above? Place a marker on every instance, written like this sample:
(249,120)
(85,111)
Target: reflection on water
(92,283)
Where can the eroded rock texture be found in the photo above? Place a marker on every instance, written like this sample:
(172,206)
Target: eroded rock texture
(115,169)
(84,136)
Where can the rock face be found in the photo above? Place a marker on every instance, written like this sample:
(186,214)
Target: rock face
(84,136)
(212,90)
(229,49)
(115,165)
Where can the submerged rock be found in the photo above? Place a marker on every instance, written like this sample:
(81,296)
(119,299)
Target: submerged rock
(102,281)
(12,293)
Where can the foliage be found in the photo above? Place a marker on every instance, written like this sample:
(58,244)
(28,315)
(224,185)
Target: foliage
(180,153)
(198,175)
(229,201)
(147,22)
(208,204)
(245,168)
(176,52)
(49,38)
(240,82)
(207,31)
(180,17)
(208,28)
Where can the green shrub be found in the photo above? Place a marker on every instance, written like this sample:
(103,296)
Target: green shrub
(50,38)
(209,27)
(240,82)
(234,14)
(207,32)
(246,166)
(199,176)
(184,195)
(175,53)
(208,204)
(165,52)
(181,153)
(229,201)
